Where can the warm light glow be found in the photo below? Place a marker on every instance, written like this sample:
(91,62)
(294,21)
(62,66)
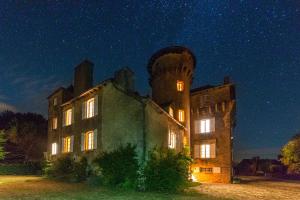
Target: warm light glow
(205,126)
(171,111)
(205,151)
(66,144)
(194,178)
(181,115)
(172,140)
(90,106)
(54,123)
(89,140)
(68,117)
(54,149)
(180,86)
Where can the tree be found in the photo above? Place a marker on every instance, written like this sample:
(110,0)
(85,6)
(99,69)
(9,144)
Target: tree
(291,155)
(26,135)
(2,142)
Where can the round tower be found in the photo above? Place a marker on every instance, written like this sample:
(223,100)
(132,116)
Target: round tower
(171,74)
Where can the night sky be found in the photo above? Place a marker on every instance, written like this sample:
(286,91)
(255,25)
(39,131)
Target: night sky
(257,43)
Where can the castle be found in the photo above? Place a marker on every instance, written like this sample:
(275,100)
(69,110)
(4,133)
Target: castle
(85,119)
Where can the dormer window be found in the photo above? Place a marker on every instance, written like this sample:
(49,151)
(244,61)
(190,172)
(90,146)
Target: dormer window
(180,86)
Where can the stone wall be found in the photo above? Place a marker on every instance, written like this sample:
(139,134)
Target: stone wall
(218,103)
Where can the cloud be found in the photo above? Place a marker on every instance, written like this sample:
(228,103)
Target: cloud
(7,107)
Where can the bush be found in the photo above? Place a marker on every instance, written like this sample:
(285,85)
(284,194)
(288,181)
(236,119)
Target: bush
(119,167)
(65,168)
(166,171)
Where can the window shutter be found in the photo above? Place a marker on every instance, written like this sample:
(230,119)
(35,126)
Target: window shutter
(197,126)
(212,124)
(96,105)
(72,143)
(83,110)
(95,139)
(62,145)
(73,112)
(213,150)
(82,142)
(196,151)
(64,118)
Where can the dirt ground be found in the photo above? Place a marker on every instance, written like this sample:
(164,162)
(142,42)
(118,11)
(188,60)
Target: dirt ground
(253,188)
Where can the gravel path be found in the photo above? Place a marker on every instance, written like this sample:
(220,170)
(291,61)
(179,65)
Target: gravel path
(254,188)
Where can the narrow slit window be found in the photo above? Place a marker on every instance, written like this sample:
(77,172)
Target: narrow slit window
(180,86)
(181,115)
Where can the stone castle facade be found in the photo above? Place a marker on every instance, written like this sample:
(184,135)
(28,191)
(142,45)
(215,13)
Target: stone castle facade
(85,119)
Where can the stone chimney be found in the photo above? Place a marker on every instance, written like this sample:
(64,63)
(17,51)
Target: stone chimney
(83,77)
(125,79)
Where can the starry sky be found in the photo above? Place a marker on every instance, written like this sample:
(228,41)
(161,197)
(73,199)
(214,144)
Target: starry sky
(256,43)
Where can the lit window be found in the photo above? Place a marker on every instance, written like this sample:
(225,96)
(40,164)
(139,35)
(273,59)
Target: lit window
(205,151)
(54,123)
(66,144)
(205,126)
(180,86)
(67,117)
(55,101)
(171,111)
(172,140)
(89,108)
(181,115)
(54,149)
(89,140)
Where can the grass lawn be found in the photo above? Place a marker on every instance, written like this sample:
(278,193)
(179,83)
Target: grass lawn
(30,187)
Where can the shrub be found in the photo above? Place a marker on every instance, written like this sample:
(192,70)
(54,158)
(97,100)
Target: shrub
(166,171)
(119,167)
(65,168)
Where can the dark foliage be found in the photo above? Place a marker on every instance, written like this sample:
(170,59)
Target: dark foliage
(26,135)
(66,169)
(2,142)
(166,171)
(119,167)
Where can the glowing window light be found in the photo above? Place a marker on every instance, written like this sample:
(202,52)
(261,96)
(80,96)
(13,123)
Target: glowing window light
(89,140)
(171,111)
(205,151)
(172,140)
(54,149)
(67,144)
(180,86)
(68,117)
(181,115)
(90,107)
(54,123)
